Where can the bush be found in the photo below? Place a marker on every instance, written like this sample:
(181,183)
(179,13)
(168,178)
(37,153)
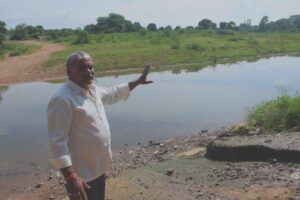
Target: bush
(2,38)
(276,115)
(195,47)
(143,32)
(175,44)
(82,38)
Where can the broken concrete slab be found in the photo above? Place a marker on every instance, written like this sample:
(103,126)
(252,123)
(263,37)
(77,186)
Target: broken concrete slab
(284,147)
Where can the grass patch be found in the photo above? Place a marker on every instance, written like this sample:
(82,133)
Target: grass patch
(276,115)
(12,48)
(130,50)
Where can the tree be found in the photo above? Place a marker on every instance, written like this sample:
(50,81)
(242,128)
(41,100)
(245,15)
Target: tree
(91,28)
(52,34)
(206,24)
(189,28)
(137,26)
(263,24)
(152,27)
(231,25)
(177,28)
(246,26)
(19,33)
(295,20)
(3,30)
(116,22)
(35,32)
(113,23)
(223,25)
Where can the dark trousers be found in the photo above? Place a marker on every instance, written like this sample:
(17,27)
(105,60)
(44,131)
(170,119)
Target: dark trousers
(97,190)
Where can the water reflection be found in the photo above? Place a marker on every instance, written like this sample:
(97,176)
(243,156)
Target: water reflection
(2,89)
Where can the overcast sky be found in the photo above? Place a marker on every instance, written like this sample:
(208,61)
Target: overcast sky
(75,13)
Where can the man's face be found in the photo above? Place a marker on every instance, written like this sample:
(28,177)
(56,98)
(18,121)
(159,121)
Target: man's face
(83,72)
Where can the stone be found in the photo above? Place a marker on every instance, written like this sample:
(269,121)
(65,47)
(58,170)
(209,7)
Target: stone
(192,152)
(169,172)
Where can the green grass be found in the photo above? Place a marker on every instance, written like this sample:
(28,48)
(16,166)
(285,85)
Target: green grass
(276,115)
(12,48)
(131,50)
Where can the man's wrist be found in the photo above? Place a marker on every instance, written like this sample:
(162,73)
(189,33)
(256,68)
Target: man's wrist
(70,177)
(134,83)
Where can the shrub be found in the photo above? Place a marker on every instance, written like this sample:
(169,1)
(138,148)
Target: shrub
(143,32)
(82,38)
(175,44)
(276,115)
(195,47)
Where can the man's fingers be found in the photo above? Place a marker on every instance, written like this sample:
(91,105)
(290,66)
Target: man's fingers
(147,69)
(83,195)
(76,196)
(85,185)
(147,82)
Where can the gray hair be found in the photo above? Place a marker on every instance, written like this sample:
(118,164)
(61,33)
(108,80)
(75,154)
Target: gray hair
(74,58)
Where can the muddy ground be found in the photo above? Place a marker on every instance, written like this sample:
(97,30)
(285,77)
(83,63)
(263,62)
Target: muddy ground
(25,68)
(178,169)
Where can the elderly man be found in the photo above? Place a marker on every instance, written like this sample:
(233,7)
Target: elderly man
(78,130)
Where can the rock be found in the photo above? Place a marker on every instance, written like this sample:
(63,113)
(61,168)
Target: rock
(153,143)
(169,172)
(130,152)
(39,185)
(295,175)
(162,145)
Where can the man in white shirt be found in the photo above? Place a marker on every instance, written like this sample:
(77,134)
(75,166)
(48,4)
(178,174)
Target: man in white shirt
(78,129)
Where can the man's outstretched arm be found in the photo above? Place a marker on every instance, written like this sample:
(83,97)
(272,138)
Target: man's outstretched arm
(142,80)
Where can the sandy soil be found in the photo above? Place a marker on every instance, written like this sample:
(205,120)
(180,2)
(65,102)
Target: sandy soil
(27,68)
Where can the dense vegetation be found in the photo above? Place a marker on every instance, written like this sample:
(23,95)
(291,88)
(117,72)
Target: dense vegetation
(115,23)
(276,115)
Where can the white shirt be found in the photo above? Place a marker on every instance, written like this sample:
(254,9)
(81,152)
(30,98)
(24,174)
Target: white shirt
(78,129)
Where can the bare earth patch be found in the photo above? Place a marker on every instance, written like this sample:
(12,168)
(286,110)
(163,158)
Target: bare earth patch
(27,68)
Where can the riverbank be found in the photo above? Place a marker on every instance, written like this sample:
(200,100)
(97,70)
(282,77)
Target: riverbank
(178,169)
(120,53)
(132,50)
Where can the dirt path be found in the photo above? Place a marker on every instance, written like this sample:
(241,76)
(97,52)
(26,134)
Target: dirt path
(27,68)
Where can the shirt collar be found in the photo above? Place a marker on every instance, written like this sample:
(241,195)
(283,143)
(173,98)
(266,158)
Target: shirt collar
(74,86)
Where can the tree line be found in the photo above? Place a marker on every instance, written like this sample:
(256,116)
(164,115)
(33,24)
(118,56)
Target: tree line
(115,23)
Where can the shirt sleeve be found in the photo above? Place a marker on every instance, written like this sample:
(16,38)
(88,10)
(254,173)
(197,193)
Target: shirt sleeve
(59,115)
(114,94)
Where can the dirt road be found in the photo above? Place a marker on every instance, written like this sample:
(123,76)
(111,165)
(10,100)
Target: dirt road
(27,68)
